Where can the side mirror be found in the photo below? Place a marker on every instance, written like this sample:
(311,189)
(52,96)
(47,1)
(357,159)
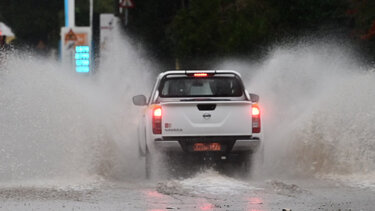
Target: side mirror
(140,100)
(254,98)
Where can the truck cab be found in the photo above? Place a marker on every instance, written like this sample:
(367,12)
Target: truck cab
(200,114)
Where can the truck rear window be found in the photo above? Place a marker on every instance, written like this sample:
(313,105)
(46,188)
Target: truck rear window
(200,87)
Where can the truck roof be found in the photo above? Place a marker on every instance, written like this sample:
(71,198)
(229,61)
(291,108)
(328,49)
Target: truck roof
(184,72)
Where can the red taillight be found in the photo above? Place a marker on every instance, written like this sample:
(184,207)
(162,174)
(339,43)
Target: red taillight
(255,112)
(156,120)
(157,112)
(200,74)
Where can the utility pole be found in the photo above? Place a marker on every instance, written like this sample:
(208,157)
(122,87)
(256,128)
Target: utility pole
(69,13)
(92,15)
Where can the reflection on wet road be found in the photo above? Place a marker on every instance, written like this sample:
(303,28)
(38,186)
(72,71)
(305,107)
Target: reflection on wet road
(214,192)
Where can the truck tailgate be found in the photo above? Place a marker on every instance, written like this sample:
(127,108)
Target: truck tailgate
(207,118)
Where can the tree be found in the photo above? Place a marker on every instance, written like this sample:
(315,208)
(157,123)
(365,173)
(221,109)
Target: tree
(148,23)
(217,28)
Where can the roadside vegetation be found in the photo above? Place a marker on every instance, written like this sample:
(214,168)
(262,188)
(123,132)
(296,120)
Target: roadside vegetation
(196,30)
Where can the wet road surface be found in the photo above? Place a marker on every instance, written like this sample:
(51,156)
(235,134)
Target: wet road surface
(205,191)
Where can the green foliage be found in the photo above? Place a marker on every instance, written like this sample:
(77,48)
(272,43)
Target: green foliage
(298,15)
(216,28)
(202,29)
(148,23)
(195,31)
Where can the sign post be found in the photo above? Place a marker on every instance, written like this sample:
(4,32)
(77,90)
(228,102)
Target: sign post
(76,48)
(126,4)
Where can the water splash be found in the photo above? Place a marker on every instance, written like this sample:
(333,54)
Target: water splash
(317,105)
(57,124)
(317,102)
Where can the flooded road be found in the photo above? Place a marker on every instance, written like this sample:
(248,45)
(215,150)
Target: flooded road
(68,141)
(208,190)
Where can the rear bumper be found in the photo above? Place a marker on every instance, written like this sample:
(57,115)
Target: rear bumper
(231,144)
(246,145)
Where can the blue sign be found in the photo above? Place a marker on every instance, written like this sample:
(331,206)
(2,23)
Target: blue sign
(82,57)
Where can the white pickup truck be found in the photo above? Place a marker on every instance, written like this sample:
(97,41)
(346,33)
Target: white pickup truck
(199,115)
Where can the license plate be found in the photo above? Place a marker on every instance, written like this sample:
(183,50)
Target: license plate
(199,147)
